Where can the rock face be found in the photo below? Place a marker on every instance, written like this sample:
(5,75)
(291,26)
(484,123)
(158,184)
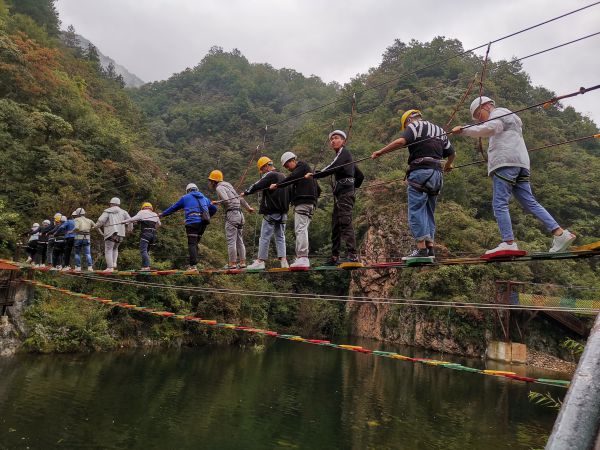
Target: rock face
(450,331)
(12,327)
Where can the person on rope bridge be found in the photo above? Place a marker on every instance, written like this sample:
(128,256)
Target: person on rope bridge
(149,222)
(304,195)
(508,165)
(51,239)
(111,226)
(69,240)
(58,250)
(274,207)
(83,228)
(41,253)
(198,210)
(234,219)
(347,177)
(32,242)
(427,146)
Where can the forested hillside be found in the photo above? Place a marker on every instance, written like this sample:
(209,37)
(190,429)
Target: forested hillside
(72,136)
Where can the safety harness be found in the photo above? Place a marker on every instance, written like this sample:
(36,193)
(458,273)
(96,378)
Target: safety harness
(423,163)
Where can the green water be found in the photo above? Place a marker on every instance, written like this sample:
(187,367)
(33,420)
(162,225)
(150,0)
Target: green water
(283,395)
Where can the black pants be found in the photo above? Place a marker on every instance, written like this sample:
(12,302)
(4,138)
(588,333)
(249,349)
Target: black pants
(57,252)
(341,223)
(32,247)
(40,256)
(69,242)
(194,232)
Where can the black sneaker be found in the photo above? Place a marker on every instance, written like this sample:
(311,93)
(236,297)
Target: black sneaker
(351,258)
(332,261)
(430,251)
(417,253)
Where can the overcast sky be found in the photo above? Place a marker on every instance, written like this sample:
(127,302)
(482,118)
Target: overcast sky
(338,39)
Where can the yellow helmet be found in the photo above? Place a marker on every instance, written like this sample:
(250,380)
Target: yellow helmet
(216,175)
(57,217)
(262,161)
(406,115)
(147,205)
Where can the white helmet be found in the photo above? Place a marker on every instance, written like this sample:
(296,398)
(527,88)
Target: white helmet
(63,218)
(35,225)
(46,222)
(480,101)
(191,187)
(79,212)
(286,157)
(115,201)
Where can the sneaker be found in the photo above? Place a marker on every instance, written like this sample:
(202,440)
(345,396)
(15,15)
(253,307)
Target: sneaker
(66,268)
(352,258)
(191,269)
(284,263)
(502,248)
(417,253)
(229,267)
(303,261)
(332,261)
(109,270)
(58,268)
(242,266)
(256,265)
(90,269)
(562,242)
(28,260)
(145,269)
(430,252)
(77,269)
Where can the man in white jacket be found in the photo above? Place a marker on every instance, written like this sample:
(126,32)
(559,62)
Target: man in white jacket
(114,231)
(149,222)
(508,165)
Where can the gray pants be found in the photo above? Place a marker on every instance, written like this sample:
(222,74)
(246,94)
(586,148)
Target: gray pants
(111,252)
(272,224)
(234,231)
(302,217)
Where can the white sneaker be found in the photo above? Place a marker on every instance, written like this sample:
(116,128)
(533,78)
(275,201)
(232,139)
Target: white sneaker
(109,270)
(256,265)
(303,261)
(58,268)
(66,268)
(28,260)
(503,247)
(562,242)
(77,269)
(284,263)
(90,269)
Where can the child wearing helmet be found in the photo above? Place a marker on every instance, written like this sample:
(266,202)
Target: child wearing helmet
(509,167)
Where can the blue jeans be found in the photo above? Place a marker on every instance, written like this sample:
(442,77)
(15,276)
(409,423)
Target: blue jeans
(504,190)
(421,205)
(82,244)
(272,224)
(147,238)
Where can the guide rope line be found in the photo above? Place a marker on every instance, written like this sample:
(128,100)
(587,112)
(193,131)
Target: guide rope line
(252,158)
(460,102)
(441,61)
(294,338)
(485,61)
(343,298)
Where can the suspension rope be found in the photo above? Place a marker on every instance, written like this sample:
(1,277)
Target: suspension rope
(294,338)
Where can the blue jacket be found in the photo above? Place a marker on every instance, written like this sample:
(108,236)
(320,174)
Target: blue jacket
(193,205)
(66,228)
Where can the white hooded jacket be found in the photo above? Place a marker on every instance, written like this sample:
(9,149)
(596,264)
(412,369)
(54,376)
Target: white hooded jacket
(111,222)
(506,147)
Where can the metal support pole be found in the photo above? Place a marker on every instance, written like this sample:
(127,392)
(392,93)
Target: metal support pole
(578,421)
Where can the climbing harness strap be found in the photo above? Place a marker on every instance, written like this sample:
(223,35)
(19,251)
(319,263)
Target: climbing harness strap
(519,179)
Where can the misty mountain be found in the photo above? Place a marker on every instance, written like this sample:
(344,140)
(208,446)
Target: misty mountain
(131,80)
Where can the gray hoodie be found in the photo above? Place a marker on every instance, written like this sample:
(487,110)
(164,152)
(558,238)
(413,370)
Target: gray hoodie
(507,147)
(111,222)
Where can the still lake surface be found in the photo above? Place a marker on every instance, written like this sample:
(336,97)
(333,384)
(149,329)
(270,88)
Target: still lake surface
(280,395)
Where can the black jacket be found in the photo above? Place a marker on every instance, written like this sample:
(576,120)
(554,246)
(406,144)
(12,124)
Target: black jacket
(271,202)
(303,191)
(343,170)
(44,233)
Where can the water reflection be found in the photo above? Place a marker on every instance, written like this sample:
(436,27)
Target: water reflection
(281,395)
